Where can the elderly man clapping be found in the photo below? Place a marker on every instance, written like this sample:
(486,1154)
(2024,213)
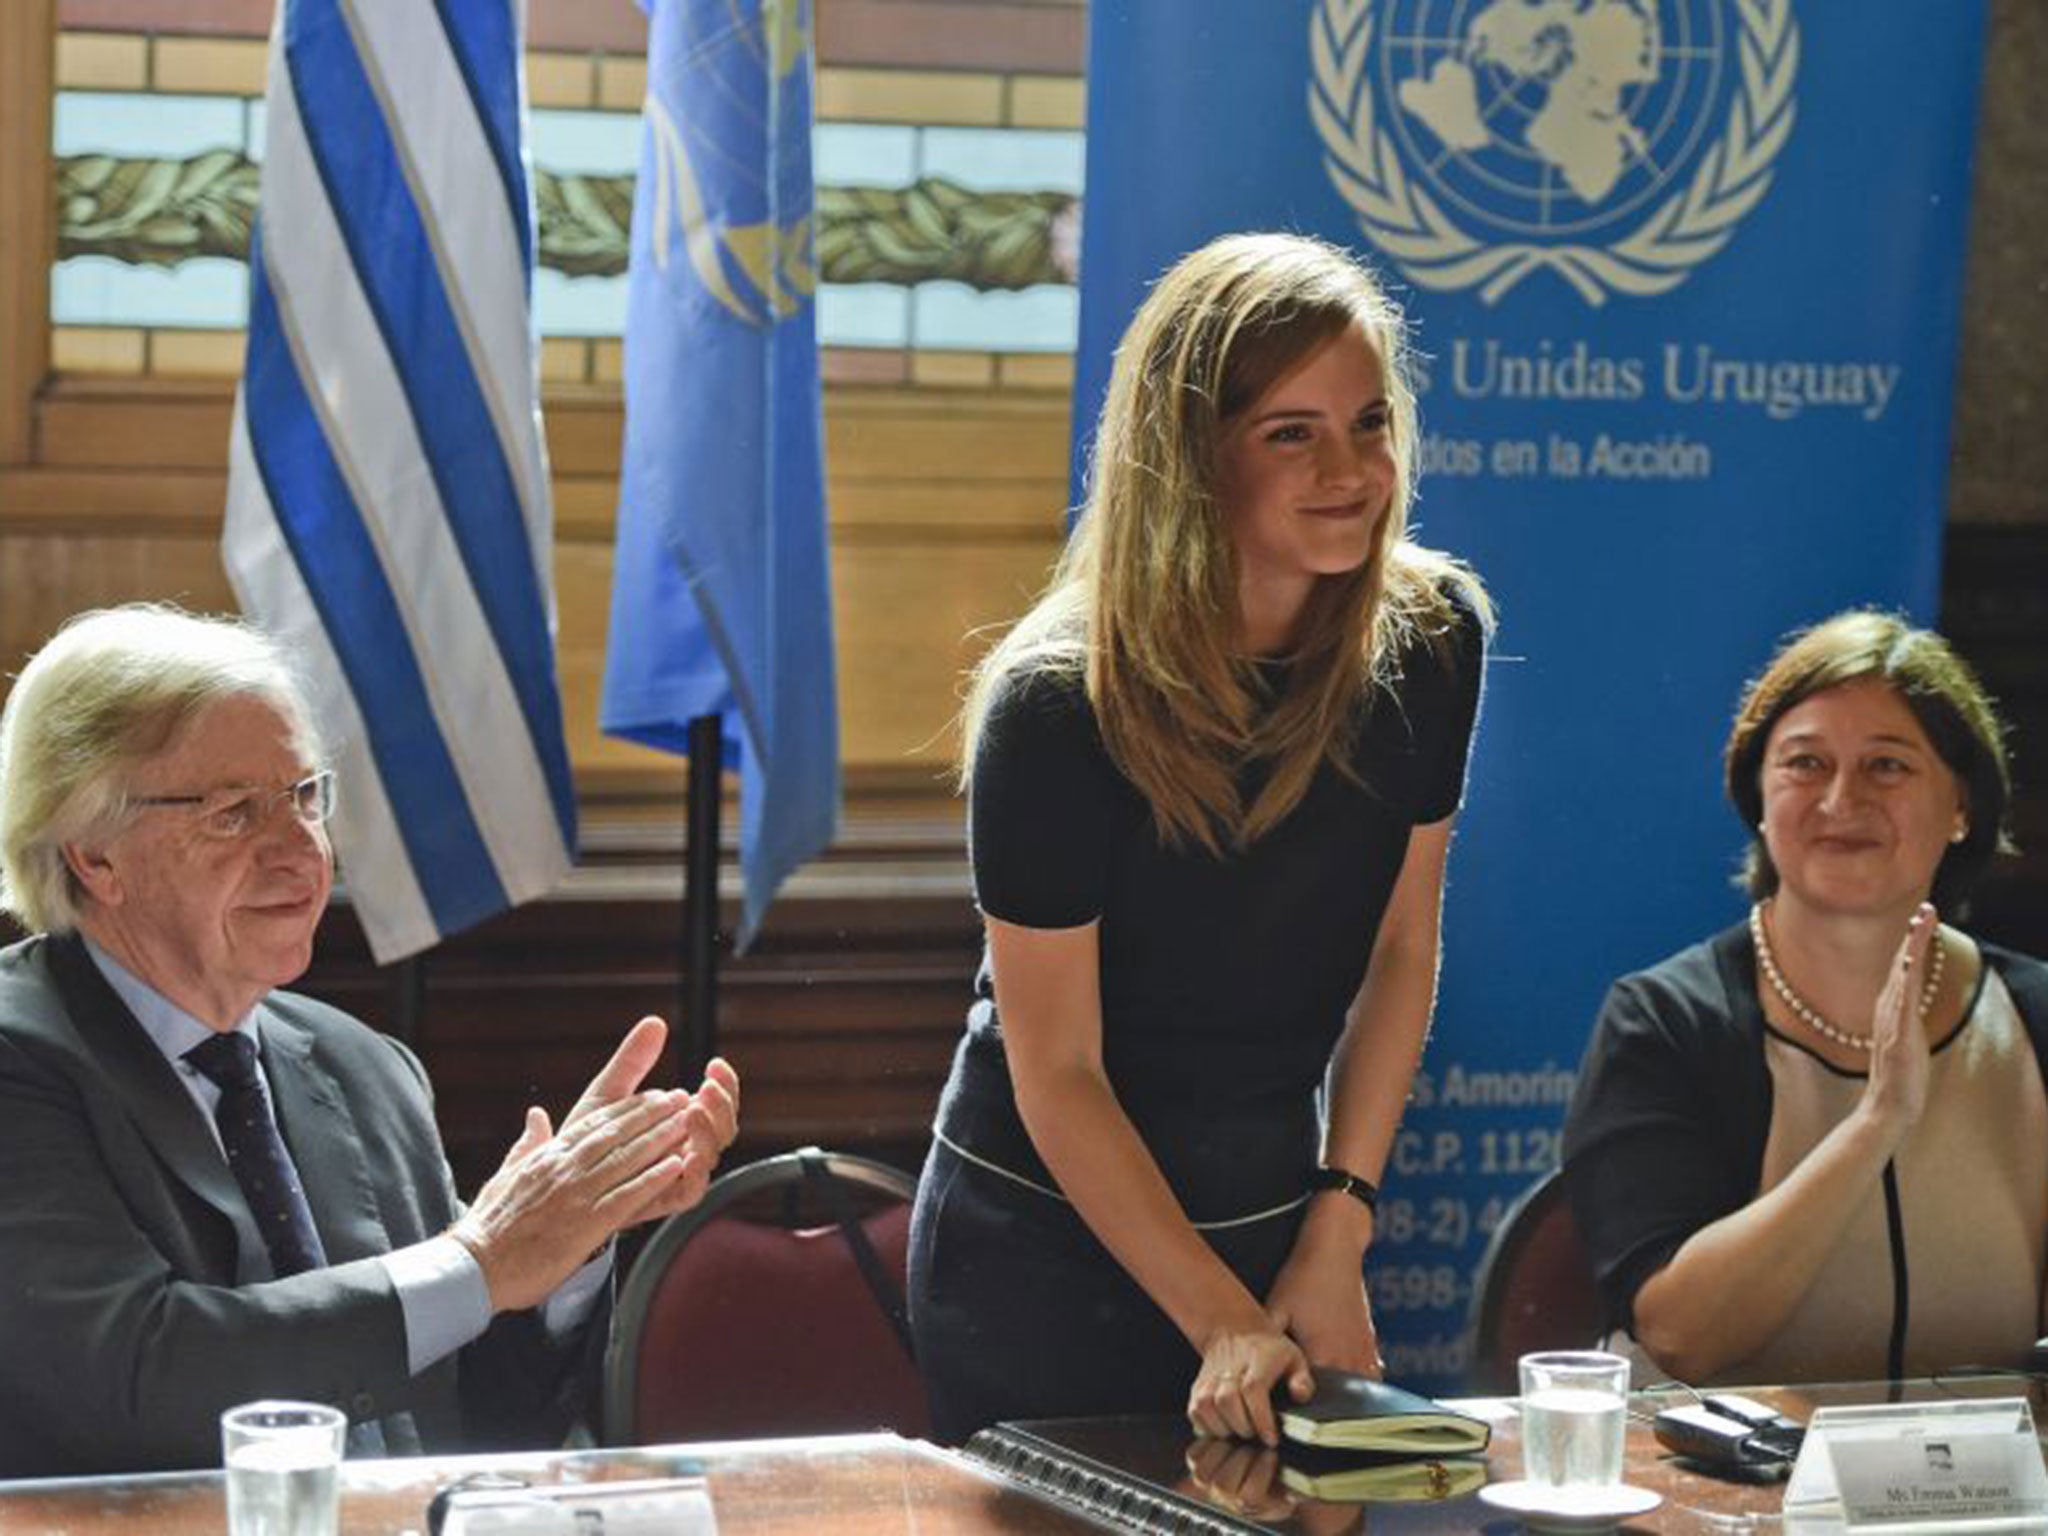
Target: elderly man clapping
(215,1190)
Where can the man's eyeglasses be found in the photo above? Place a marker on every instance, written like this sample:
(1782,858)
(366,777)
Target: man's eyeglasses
(227,814)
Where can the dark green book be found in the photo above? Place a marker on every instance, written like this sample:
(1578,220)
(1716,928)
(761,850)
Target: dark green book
(1138,1474)
(1356,1413)
(1378,1477)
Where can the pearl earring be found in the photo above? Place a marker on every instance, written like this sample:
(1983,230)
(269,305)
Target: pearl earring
(1962,831)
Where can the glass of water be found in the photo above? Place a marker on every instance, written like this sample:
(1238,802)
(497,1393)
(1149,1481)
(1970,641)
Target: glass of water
(1574,1418)
(283,1461)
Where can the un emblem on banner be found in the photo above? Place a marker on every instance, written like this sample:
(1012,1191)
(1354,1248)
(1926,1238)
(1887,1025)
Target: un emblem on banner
(1480,141)
(710,187)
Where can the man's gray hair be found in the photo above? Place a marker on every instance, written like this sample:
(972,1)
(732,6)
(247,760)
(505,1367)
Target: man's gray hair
(111,689)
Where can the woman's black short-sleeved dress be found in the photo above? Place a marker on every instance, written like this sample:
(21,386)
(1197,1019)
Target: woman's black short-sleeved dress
(1225,982)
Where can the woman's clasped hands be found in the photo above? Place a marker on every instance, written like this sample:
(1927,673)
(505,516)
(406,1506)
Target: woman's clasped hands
(1319,1299)
(1242,1364)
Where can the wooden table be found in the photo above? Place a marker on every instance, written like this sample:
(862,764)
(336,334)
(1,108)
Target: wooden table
(1693,1501)
(880,1485)
(863,1485)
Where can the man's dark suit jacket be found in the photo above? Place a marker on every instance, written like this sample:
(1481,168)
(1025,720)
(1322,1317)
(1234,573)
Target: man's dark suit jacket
(122,1332)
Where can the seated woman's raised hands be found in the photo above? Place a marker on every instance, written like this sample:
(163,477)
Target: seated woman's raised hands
(1899,1059)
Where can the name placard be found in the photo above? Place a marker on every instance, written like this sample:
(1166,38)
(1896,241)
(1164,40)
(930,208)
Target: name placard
(678,1506)
(1907,1466)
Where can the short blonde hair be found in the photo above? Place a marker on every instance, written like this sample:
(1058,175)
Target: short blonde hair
(111,689)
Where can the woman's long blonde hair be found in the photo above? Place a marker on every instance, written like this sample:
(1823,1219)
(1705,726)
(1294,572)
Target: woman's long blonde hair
(1143,605)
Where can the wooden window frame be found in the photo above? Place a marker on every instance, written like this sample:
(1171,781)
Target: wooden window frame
(86,455)
(28,222)
(146,451)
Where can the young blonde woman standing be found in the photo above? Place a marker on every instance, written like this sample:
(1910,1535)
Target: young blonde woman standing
(1212,779)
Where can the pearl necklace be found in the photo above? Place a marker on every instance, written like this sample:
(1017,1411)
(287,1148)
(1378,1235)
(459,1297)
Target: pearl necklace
(1804,1011)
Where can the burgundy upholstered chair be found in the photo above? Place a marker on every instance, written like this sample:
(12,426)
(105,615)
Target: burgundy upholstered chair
(758,1313)
(1535,1288)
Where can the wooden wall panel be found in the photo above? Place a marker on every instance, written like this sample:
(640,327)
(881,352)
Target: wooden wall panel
(161,424)
(910,620)
(946,515)
(951,508)
(910,617)
(956,434)
(28,215)
(96,500)
(583,585)
(841,1020)
(47,577)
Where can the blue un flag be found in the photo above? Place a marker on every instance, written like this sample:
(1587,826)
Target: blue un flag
(721,599)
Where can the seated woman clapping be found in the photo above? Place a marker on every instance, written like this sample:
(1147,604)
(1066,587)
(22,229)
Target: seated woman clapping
(1816,1145)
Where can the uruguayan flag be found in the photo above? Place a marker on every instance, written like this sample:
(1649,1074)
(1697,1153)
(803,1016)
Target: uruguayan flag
(721,598)
(388,512)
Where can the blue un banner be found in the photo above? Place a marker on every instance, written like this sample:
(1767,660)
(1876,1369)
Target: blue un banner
(1686,276)
(721,598)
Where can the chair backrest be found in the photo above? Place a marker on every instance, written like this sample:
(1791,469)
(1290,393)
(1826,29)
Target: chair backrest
(1535,1288)
(733,1326)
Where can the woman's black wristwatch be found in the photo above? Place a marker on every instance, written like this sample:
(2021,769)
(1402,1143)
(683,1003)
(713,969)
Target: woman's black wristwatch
(1364,1191)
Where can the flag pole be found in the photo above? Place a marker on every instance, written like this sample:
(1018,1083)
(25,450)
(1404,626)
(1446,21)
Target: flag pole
(408,1000)
(698,1036)
(721,577)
